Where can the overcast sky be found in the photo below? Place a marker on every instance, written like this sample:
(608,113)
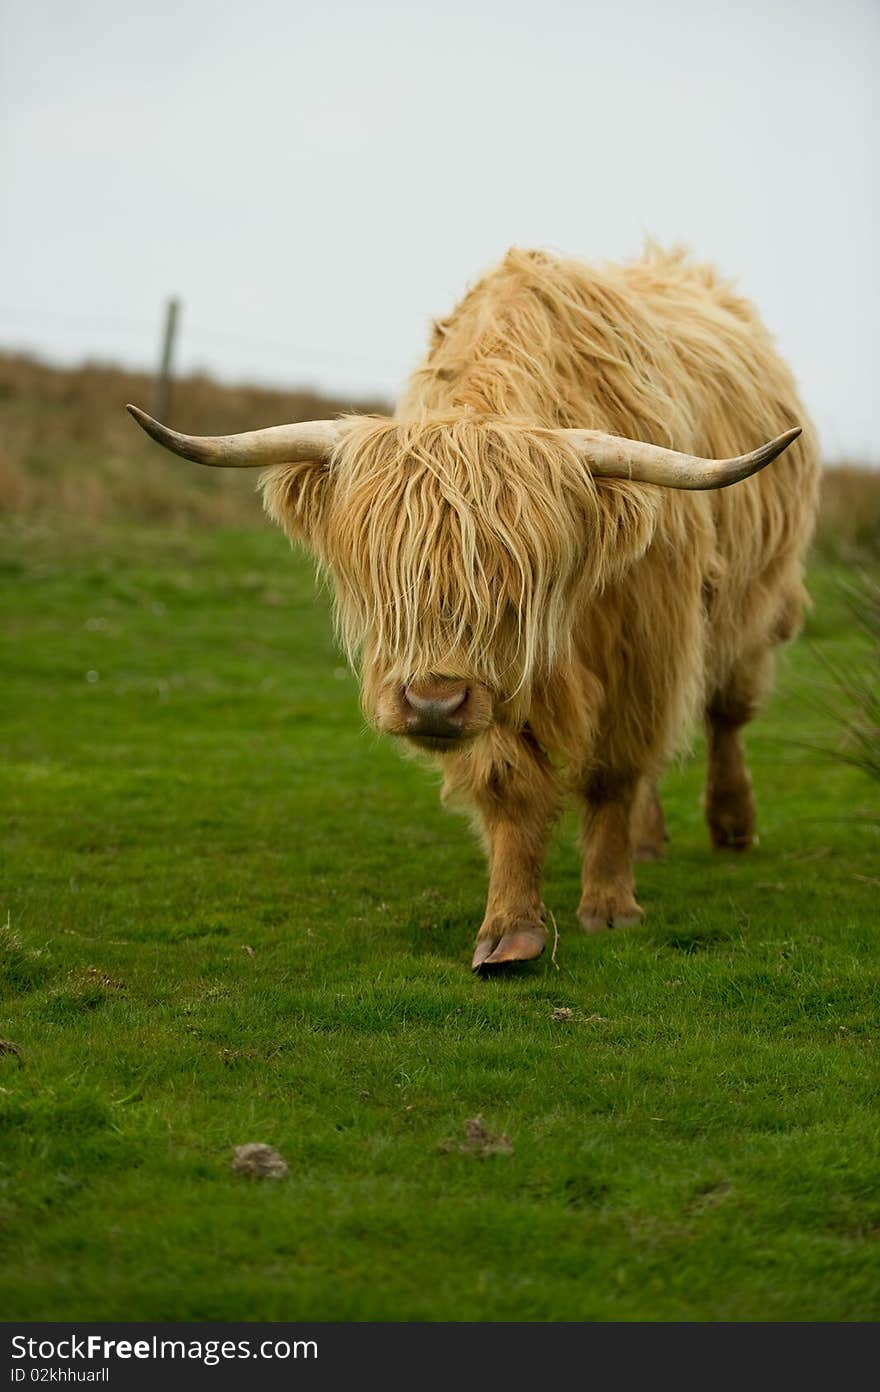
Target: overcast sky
(315,181)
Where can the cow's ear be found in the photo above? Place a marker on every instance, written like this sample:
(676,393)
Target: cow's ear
(297,497)
(618,525)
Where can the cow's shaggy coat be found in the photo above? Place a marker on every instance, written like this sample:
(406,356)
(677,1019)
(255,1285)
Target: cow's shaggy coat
(594,618)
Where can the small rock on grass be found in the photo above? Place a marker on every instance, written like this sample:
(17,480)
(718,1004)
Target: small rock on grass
(257,1161)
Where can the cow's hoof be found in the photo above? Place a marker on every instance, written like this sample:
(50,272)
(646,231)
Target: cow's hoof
(730,817)
(520,945)
(729,836)
(594,916)
(647,853)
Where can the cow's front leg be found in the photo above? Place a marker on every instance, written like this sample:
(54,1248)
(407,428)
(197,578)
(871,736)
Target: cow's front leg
(608,899)
(516,795)
(513,929)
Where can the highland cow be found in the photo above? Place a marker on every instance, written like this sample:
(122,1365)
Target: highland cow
(540,570)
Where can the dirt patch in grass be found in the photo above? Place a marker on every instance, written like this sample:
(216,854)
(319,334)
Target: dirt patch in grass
(478,1141)
(258,1161)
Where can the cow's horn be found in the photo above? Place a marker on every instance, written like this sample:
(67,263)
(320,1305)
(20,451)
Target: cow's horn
(279,444)
(612,456)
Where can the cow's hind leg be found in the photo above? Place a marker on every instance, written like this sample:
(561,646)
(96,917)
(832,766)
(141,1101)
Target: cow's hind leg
(516,795)
(729,802)
(647,824)
(608,899)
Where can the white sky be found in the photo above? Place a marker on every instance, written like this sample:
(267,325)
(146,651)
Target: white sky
(317,180)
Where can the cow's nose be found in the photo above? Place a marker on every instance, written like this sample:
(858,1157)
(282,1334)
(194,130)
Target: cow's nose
(433,705)
(434,712)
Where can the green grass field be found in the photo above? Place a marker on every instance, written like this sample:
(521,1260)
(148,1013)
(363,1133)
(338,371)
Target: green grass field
(236,915)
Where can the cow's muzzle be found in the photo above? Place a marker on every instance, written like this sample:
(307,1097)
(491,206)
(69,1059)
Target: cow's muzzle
(436,714)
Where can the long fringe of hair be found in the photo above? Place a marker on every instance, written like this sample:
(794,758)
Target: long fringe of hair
(460,543)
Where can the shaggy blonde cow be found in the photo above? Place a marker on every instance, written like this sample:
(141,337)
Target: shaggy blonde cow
(539,568)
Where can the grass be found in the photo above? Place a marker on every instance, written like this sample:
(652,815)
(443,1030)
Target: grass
(856,686)
(234,915)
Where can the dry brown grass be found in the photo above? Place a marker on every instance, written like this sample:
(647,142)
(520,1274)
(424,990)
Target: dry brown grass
(849,513)
(69,450)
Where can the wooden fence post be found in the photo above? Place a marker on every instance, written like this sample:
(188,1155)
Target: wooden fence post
(162,384)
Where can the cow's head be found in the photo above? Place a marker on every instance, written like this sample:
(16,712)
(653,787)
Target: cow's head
(460,548)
